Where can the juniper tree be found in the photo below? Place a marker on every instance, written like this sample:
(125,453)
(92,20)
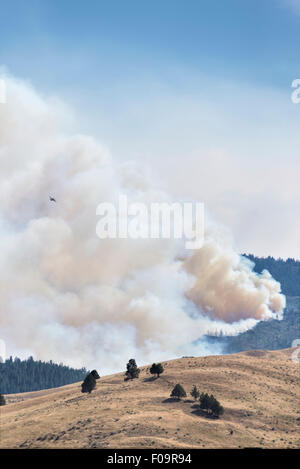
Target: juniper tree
(156,369)
(89,382)
(204,401)
(216,407)
(195,393)
(211,404)
(132,369)
(178,391)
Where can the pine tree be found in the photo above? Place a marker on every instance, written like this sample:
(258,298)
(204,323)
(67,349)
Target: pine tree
(178,391)
(156,369)
(216,407)
(211,405)
(132,369)
(89,382)
(204,401)
(195,393)
(2,400)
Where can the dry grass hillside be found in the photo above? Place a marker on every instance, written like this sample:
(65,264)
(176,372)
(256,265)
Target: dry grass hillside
(259,392)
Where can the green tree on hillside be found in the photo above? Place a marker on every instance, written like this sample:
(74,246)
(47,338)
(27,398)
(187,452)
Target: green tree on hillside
(178,391)
(156,369)
(89,382)
(210,404)
(195,393)
(216,407)
(132,369)
(2,400)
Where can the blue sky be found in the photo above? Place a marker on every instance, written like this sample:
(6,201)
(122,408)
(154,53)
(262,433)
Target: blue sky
(257,37)
(56,41)
(197,89)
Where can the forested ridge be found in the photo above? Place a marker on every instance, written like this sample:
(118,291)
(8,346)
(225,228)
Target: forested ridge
(18,375)
(272,334)
(287,272)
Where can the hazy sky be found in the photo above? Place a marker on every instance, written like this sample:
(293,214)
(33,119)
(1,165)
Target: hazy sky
(199,90)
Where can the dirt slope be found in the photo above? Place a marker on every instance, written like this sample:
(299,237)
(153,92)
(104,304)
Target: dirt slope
(259,391)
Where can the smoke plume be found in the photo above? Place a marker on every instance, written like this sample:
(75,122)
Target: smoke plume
(68,296)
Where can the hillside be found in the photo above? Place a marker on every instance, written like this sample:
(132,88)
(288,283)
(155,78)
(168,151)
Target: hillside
(287,272)
(259,391)
(272,334)
(266,335)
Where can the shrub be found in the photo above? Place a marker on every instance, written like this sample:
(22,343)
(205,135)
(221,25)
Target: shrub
(178,391)
(2,400)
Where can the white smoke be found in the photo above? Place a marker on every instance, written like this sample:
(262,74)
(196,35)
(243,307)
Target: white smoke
(68,296)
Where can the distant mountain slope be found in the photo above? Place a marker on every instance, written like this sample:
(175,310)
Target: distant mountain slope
(258,390)
(266,335)
(272,334)
(286,272)
(29,375)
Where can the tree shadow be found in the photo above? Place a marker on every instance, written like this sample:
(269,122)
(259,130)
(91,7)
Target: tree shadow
(151,378)
(171,399)
(203,413)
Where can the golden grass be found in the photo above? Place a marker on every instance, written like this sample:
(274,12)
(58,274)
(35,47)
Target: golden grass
(259,391)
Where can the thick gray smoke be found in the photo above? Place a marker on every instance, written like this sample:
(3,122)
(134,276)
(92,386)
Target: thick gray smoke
(68,296)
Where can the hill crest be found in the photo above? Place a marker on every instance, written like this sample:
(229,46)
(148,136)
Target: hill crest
(258,389)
